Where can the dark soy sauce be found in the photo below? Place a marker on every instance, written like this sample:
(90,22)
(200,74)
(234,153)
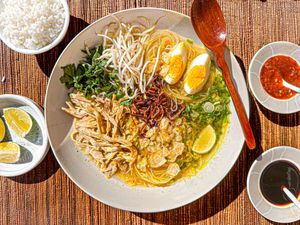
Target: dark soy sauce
(276,175)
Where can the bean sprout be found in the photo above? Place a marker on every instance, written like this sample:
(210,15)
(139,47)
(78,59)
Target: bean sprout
(124,46)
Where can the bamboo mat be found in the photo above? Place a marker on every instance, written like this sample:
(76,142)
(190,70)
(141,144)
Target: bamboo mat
(47,196)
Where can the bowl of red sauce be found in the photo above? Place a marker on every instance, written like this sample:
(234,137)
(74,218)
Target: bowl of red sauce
(271,65)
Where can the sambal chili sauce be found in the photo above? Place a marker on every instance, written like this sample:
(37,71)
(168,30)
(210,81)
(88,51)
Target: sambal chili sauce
(274,71)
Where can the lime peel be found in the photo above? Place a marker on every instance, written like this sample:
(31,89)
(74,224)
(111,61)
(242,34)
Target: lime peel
(18,120)
(2,130)
(206,140)
(9,152)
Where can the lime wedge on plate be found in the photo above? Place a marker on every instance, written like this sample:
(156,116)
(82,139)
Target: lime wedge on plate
(18,120)
(9,152)
(205,141)
(2,130)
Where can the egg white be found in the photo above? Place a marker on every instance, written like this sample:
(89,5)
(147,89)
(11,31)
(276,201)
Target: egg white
(179,50)
(201,60)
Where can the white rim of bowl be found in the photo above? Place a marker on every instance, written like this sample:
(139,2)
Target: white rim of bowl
(53,44)
(66,169)
(269,151)
(45,145)
(250,82)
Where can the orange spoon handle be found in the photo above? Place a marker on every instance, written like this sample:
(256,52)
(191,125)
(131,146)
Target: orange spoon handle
(250,140)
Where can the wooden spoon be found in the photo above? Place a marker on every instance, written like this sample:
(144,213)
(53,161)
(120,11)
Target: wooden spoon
(209,24)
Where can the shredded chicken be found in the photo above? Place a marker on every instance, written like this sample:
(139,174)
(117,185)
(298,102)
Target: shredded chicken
(107,131)
(97,127)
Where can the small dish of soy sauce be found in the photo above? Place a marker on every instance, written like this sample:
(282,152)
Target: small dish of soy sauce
(277,175)
(276,168)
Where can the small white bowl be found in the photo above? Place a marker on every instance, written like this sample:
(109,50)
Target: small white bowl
(52,44)
(280,214)
(34,146)
(291,105)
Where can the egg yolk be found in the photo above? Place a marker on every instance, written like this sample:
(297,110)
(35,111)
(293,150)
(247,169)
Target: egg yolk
(176,66)
(196,76)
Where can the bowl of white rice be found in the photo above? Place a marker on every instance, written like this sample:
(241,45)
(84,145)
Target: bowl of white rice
(33,26)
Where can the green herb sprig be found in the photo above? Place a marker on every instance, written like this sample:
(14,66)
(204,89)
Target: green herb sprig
(91,77)
(220,98)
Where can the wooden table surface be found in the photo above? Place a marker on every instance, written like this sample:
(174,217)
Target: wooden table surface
(47,196)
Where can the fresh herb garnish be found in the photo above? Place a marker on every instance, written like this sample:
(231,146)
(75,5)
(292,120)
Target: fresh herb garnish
(220,98)
(127,102)
(91,77)
(189,40)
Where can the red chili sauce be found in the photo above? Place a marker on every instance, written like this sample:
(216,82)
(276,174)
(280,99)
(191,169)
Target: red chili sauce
(274,70)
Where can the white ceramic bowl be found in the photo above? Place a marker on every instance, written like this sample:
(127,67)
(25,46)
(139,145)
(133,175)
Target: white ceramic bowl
(276,105)
(34,146)
(286,214)
(47,47)
(114,192)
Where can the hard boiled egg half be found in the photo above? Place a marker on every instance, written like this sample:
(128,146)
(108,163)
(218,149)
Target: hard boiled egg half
(177,63)
(197,74)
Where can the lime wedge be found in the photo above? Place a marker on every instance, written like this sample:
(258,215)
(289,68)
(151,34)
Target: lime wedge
(2,130)
(9,152)
(206,140)
(18,120)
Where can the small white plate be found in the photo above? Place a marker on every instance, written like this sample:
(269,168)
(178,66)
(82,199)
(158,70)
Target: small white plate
(283,214)
(291,105)
(34,146)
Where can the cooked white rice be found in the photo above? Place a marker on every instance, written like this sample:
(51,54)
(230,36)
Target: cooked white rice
(31,24)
